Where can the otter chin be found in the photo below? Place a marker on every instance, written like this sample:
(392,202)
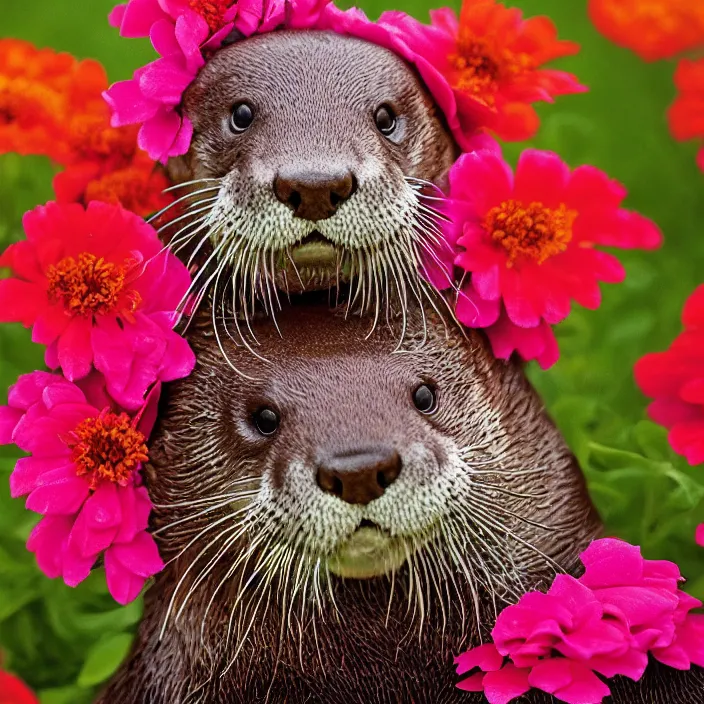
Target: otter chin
(368,552)
(316,162)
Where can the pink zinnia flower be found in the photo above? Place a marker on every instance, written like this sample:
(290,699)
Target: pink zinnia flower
(97,288)
(83,476)
(674,379)
(529,242)
(606,622)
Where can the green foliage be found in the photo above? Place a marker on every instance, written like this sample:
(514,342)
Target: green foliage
(64,642)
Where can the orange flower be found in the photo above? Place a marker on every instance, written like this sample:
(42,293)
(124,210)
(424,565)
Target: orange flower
(52,105)
(654,29)
(686,114)
(494,61)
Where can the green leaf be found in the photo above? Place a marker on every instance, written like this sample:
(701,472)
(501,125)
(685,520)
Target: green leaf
(687,493)
(104,658)
(66,695)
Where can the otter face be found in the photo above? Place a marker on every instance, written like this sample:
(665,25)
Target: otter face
(311,160)
(434,468)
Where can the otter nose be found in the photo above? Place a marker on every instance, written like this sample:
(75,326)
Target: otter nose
(359,477)
(314,196)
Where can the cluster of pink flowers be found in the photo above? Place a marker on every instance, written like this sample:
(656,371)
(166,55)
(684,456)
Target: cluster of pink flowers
(484,69)
(605,623)
(525,244)
(98,289)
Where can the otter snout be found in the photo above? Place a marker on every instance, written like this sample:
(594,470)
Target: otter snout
(314,196)
(359,477)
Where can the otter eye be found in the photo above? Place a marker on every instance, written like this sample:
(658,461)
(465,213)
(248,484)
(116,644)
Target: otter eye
(266,420)
(385,119)
(242,117)
(424,399)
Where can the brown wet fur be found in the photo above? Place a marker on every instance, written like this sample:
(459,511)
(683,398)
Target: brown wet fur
(335,389)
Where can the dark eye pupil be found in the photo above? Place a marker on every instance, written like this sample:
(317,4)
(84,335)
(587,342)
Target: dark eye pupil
(424,399)
(385,120)
(266,420)
(242,117)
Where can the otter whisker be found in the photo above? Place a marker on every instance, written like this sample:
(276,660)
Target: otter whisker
(183,184)
(486,514)
(185,216)
(507,512)
(209,499)
(508,492)
(457,558)
(180,200)
(185,575)
(203,574)
(227,502)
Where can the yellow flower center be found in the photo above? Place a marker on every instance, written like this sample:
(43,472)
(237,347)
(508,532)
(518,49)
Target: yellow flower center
(89,285)
(108,448)
(532,230)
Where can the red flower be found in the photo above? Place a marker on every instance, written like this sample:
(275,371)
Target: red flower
(654,29)
(493,60)
(529,242)
(675,380)
(98,289)
(686,115)
(14,691)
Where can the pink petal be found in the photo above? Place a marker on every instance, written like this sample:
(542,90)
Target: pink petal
(98,522)
(61,495)
(158,134)
(540,177)
(136,508)
(475,312)
(486,657)
(509,682)
(74,350)
(569,681)
(48,542)
(129,106)
(9,418)
(29,471)
(611,562)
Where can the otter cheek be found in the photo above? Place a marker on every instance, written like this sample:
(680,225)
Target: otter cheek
(368,553)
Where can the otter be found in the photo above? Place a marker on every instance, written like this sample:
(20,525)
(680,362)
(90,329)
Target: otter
(338,522)
(338,529)
(316,161)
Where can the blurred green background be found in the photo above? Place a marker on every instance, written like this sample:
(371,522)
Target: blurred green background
(65,642)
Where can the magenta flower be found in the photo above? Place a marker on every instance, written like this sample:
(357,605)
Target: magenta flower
(98,289)
(604,623)
(529,241)
(83,476)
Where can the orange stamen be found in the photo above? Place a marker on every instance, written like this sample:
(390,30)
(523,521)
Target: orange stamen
(532,230)
(480,66)
(108,448)
(89,285)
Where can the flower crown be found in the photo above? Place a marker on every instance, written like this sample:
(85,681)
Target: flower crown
(101,292)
